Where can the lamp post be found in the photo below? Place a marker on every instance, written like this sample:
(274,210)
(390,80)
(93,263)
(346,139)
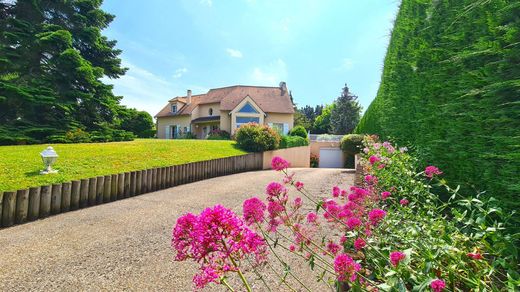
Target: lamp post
(49,156)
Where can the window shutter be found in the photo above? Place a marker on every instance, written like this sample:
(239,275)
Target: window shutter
(167,132)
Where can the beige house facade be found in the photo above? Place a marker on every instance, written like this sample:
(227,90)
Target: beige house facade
(226,109)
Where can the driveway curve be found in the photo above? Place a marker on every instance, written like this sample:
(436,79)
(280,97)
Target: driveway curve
(125,245)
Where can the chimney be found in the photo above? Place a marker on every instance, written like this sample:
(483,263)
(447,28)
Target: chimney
(188,95)
(283,87)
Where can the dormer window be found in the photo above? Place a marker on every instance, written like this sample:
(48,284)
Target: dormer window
(248,108)
(210,112)
(174,108)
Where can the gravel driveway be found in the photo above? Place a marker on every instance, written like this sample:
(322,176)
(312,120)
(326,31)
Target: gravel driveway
(125,245)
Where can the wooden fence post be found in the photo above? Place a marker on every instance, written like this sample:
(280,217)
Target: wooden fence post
(133,183)
(45,201)
(144,183)
(138,182)
(65,197)
(107,188)
(92,187)
(176,171)
(149,181)
(120,186)
(1,206)
(34,203)
(83,193)
(8,209)
(164,183)
(113,188)
(100,187)
(75,194)
(22,206)
(126,193)
(56,199)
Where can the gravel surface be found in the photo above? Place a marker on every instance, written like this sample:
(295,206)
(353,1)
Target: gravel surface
(125,245)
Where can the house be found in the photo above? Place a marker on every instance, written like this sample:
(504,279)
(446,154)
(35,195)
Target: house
(226,109)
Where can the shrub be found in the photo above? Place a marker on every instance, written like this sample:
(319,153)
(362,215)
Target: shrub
(219,135)
(352,143)
(188,135)
(298,131)
(293,141)
(257,138)
(315,161)
(77,136)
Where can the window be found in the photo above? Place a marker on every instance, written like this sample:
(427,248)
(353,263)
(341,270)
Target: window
(210,111)
(244,120)
(278,127)
(174,108)
(248,108)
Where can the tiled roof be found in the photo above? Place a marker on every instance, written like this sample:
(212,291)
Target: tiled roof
(269,99)
(206,119)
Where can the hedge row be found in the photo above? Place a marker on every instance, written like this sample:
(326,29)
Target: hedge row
(451,87)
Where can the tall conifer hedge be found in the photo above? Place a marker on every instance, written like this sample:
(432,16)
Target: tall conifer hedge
(451,87)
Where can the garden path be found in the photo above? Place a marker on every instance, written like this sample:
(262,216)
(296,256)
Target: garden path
(125,245)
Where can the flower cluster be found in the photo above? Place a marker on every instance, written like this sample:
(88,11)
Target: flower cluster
(217,239)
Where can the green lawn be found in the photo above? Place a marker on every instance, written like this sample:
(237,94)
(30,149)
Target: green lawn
(20,165)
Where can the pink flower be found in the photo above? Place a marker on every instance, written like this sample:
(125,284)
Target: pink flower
(366,150)
(381,166)
(212,239)
(336,191)
(430,171)
(373,159)
(278,163)
(292,248)
(475,256)
(275,189)
(385,195)
(288,178)
(274,209)
(342,239)
(333,248)
(396,257)
(297,202)
(375,216)
(298,185)
(359,243)
(253,210)
(346,268)
(404,202)
(353,223)
(370,179)
(312,217)
(437,285)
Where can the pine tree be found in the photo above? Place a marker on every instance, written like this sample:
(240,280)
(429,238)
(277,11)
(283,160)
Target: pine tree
(346,114)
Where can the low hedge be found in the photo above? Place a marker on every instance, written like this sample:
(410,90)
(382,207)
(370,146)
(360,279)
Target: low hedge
(298,131)
(293,141)
(219,135)
(352,143)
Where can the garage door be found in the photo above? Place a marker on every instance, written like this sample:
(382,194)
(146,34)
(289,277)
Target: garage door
(331,158)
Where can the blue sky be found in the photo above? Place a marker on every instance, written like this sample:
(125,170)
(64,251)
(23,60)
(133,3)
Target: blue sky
(315,46)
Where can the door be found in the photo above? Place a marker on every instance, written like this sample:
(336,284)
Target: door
(331,158)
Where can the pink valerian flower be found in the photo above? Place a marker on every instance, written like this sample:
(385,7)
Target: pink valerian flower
(332,210)
(389,147)
(288,178)
(346,268)
(274,209)
(336,191)
(333,248)
(431,170)
(404,202)
(359,243)
(358,194)
(297,203)
(373,159)
(437,285)
(377,145)
(353,223)
(385,195)
(292,248)
(312,217)
(475,256)
(366,150)
(396,257)
(278,163)
(275,189)
(253,210)
(381,166)
(343,239)
(298,185)
(375,216)
(370,179)
(211,239)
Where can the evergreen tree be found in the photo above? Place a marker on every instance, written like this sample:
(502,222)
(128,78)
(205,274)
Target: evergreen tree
(52,57)
(346,114)
(322,123)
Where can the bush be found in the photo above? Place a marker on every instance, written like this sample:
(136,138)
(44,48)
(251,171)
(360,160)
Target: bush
(219,135)
(77,136)
(257,138)
(293,141)
(315,161)
(352,143)
(298,131)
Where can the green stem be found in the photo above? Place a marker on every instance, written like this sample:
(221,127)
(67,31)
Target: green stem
(223,281)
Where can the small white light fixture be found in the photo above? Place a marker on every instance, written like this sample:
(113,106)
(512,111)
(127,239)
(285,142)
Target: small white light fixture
(49,157)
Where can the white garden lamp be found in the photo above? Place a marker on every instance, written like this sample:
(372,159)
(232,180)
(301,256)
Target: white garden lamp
(49,156)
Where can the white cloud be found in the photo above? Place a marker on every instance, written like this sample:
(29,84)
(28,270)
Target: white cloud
(270,75)
(179,72)
(234,53)
(207,2)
